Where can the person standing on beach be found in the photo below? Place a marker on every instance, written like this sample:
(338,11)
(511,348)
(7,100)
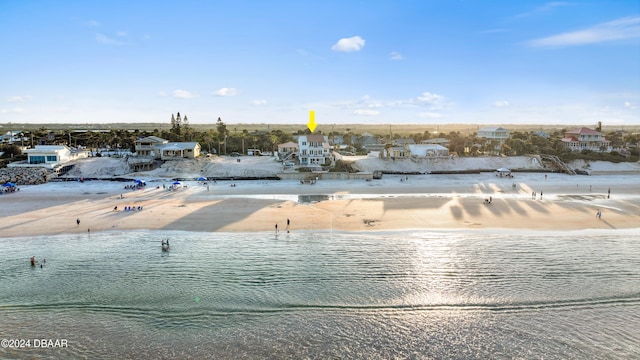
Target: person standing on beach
(598,214)
(609,193)
(288,222)
(78,221)
(276,228)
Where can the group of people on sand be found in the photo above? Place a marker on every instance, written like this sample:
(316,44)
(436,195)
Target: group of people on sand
(133,208)
(128,208)
(135,187)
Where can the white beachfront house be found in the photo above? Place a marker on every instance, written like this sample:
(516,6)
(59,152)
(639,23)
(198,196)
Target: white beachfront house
(50,156)
(313,150)
(586,139)
(287,150)
(179,150)
(150,146)
(495,135)
(396,152)
(427,150)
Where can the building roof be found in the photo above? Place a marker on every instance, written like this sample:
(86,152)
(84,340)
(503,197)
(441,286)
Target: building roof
(288,144)
(435,141)
(427,146)
(583,130)
(493,128)
(403,141)
(180,146)
(152,139)
(48,148)
(569,139)
(315,138)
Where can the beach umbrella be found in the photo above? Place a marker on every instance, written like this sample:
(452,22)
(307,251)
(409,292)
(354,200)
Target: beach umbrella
(177,183)
(139,181)
(9,184)
(202,178)
(503,170)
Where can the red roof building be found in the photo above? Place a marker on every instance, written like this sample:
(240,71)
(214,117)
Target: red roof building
(586,139)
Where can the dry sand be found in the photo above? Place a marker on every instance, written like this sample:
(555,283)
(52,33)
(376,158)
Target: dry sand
(422,202)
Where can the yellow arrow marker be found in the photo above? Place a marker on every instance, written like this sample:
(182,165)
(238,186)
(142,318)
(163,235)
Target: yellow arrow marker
(312,122)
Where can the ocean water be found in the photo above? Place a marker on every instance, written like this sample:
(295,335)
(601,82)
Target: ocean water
(324,295)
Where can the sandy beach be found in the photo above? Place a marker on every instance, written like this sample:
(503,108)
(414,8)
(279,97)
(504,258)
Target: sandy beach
(562,202)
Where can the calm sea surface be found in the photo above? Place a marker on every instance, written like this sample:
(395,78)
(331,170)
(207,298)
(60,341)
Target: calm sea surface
(325,295)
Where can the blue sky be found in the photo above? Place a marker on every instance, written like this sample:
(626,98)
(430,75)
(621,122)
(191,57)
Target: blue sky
(410,62)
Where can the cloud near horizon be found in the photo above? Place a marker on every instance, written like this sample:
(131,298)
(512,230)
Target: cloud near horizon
(619,29)
(431,100)
(226,92)
(501,104)
(259,102)
(183,94)
(15,110)
(354,43)
(18,98)
(366,112)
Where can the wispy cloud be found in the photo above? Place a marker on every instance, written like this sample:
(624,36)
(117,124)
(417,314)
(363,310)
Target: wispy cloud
(183,94)
(259,102)
(366,112)
(118,40)
(15,110)
(396,56)
(629,105)
(226,92)
(619,29)
(543,9)
(93,23)
(432,101)
(501,104)
(18,98)
(354,43)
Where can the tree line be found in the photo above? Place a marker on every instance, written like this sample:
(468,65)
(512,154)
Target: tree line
(224,140)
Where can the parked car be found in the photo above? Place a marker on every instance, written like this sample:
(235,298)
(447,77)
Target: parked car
(234,154)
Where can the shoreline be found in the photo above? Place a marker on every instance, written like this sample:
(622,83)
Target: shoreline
(457,203)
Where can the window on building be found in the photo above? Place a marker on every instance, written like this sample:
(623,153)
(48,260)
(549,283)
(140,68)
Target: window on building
(36,160)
